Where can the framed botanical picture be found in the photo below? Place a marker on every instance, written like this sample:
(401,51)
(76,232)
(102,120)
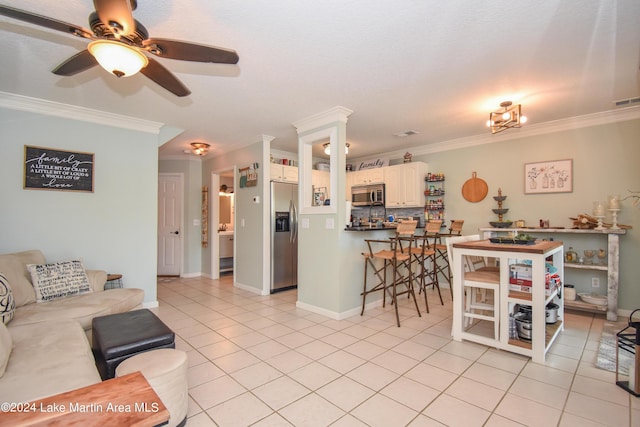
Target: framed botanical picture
(554,176)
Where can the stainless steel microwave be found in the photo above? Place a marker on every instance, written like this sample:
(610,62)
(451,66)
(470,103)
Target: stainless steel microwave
(367,195)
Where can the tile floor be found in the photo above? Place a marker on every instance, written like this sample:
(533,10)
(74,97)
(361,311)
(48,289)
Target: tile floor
(260,361)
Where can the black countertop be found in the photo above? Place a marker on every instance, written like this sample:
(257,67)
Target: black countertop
(374,228)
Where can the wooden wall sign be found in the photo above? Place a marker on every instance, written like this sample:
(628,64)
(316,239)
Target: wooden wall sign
(249,176)
(52,169)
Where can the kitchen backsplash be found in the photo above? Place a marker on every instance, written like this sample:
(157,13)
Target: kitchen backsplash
(381,212)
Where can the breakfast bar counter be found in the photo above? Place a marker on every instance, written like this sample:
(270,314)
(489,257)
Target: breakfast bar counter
(535,255)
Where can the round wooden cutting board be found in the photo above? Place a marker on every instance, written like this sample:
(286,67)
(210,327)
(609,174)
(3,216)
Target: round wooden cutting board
(475,189)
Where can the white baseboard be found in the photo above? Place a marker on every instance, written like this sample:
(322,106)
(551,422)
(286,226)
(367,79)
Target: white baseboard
(248,288)
(191,275)
(150,304)
(334,314)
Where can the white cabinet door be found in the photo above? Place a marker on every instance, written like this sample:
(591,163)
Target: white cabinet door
(368,176)
(375,176)
(321,179)
(394,191)
(284,173)
(276,172)
(289,173)
(404,185)
(414,174)
(226,246)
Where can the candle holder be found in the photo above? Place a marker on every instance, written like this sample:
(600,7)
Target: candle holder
(614,219)
(598,212)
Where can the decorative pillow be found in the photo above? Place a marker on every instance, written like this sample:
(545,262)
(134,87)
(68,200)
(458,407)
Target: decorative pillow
(7,302)
(59,280)
(6,345)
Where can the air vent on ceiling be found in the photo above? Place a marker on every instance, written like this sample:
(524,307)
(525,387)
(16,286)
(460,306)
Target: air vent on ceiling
(406,133)
(627,102)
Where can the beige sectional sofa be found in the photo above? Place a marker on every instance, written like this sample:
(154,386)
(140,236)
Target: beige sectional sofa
(45,348)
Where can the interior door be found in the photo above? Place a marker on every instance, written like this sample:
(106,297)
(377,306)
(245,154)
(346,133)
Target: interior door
(169,225)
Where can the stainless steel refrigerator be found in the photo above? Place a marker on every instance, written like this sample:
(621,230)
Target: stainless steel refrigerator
(284,236)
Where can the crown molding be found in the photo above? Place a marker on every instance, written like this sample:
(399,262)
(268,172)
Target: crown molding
(332,115)
(57,109)
(571,123)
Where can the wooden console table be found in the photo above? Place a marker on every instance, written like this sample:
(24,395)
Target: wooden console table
(611,268)
(542,335)
(124,401)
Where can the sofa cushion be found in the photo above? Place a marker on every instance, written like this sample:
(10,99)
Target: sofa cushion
(59,280)
(7,303)
(5,347)
(47,359)
(13,266)
(81,308)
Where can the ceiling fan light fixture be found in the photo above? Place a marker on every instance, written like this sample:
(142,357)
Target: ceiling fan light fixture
(510,116)
(118,58)
(199,148)
(327,148)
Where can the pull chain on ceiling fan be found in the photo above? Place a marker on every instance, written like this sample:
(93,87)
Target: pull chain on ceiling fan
(119,43)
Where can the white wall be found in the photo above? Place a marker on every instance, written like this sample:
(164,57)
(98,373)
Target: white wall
(250,239)
(113,228)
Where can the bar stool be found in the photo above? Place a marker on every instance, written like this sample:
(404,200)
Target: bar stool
(398,259)
(424,254)
(483,280)
(442,260)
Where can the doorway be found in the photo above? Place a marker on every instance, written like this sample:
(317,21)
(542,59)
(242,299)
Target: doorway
(223,213)
(170,213)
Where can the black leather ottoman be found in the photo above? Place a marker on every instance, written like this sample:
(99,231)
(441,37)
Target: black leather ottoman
(117,337)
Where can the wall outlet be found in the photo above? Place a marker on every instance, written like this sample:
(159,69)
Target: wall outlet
(595,282)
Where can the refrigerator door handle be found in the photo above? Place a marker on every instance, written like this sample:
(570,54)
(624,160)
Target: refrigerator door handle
(293,218)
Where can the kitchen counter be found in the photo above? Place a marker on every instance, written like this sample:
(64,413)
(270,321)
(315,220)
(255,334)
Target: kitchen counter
(374,228)
(226,233)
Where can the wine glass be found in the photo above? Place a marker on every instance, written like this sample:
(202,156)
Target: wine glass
(588,255)
(602,254)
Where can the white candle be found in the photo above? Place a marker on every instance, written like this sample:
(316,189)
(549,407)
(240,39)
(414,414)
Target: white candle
(614,202)
(598,209)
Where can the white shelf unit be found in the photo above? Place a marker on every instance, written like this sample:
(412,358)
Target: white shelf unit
(542,334)
(612,267)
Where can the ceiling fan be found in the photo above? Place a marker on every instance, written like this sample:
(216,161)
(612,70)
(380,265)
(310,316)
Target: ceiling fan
(118,42)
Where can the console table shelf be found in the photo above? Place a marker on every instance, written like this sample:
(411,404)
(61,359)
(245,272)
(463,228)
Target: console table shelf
(612,267)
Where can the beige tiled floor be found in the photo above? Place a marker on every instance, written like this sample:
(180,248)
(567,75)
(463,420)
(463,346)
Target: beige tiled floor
(260,361)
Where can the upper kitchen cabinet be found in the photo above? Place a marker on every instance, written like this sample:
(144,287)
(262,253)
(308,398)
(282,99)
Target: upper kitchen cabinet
(367,176)
(284,173)
(404,185)
(321,182)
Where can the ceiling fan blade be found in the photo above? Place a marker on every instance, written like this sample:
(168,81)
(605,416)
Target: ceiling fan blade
(175,49)
(117,15)
(44,21)
(159,74)
(77,63)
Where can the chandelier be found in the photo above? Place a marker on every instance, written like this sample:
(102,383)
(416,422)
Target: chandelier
(327,148)
(199,148)
(510,116)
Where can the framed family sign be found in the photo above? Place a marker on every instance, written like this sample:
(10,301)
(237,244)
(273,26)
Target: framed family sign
(555,176)
(53,169)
